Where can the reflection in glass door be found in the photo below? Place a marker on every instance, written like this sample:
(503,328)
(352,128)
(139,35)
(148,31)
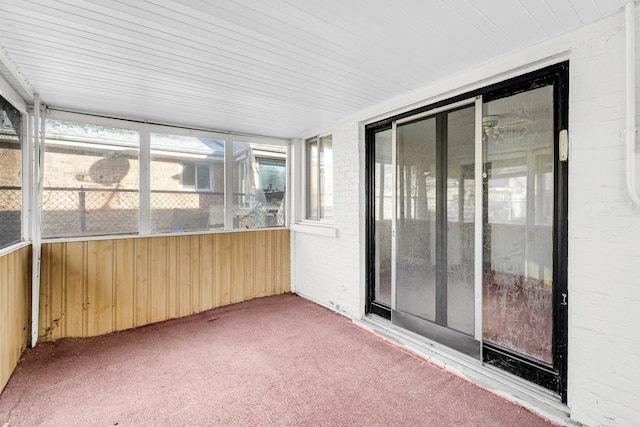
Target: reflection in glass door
(518,234)
(415,256)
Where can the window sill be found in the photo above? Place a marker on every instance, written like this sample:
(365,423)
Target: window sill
(316,229)
(13,247)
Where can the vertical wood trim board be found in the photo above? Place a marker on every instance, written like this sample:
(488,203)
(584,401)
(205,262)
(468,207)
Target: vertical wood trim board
(97,287)
(15,309)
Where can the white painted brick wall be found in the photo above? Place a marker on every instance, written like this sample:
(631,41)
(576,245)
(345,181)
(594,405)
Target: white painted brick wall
(327,269)
(604,236)
(604,229)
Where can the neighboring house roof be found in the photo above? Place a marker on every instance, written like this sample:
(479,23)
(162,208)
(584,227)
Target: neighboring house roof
(119,140)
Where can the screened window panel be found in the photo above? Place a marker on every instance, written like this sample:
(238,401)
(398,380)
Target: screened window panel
(259,185)
(187,183)
(319,197)
(326,177)
(91,180)
(312,179)
(10,174)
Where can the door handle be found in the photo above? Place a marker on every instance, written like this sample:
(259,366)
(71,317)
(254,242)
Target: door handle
(564,299)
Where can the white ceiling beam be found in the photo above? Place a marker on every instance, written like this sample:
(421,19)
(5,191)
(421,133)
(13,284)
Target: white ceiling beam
(12,68)
(8,93)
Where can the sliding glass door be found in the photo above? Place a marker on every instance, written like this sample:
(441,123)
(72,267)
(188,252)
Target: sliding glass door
(467,207)
(524,234)
(434,227)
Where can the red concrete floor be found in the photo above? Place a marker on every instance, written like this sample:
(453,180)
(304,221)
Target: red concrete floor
(272,361)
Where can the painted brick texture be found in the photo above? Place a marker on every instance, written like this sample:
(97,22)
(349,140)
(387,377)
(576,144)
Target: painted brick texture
(604,236)
(328,268)
(604,228)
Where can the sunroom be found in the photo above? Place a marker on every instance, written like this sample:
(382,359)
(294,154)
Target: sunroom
(458,178)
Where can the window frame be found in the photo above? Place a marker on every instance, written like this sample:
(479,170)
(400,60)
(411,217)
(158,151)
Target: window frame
(320,196)
(99,148)
(145,130)
(25,170)
(196,166)
(209,169)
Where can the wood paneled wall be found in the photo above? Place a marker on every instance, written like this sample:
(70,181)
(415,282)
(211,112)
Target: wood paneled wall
(96,287)
(15,309)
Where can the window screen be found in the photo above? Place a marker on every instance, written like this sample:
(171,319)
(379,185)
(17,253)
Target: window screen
(10,174)
(187,183)
(90,180)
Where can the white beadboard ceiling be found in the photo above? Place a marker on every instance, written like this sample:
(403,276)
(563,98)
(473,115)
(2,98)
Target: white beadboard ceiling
(265,67)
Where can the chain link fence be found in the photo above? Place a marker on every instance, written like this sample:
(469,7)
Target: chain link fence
(186,211)
(10,215)
(68,212)
(88,211)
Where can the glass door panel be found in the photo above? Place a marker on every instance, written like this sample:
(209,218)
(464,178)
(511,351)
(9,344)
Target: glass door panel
(383,215)
(415,258)
(518,227)
(460,220)
(435,292)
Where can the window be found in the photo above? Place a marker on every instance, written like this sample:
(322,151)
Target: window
(10,174)
(110,176)
(187,183)
(273,174)
(260,179)
(196,177)
(203,177)
(91,180)
(319,178)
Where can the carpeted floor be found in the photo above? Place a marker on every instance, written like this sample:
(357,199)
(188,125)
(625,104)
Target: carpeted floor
(271,361)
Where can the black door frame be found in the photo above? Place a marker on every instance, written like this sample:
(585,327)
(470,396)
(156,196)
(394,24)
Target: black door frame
(552,377)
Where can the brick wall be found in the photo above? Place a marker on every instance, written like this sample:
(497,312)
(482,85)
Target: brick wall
(604,229)
(604,236)
(328,267)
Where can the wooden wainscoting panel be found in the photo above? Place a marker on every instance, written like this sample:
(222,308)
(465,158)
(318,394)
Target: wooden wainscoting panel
(125,284)
(279,284)
(238,255)
(185,270)
(51,290)
(159,279)
(173,280)
(100,286)
(45,283)
(222,260)
(195,285)
(6,333)
(206,285)
(285,263)
(142,289)
(260,264)
(248,264)
(15,309)
(72,285)
(272,260)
